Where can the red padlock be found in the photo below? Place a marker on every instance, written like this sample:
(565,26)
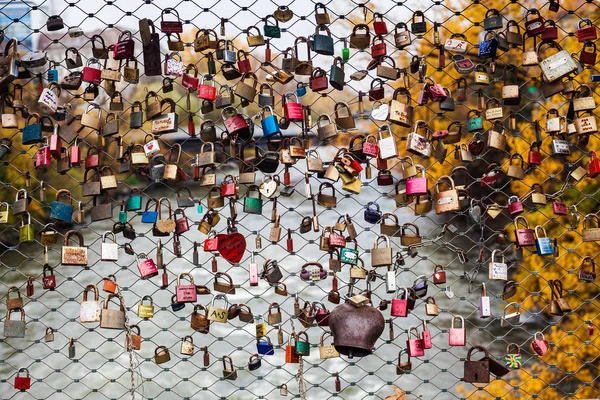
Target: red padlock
(186,293)
(293,109)
(535,156)
(436,91)
(337,240)
(594,165)
(540,346)
(48,281)
(586,32)
(211,242)
(30,287)
(551,32)
(588,55)
(321,314)
(290,242)
(378,47)
(235,123)
(290,354)
(228,187)
(414,345)
(22,382)
(207,92)
(182,224)
(524,236)
(189,81)
(318,80)
(400,306)
(535,25)
(243,62)
(426,336)
(515,206)
(92,74)
(379,25)
(369,148)
(92,160)
(439,274)
(559,207)
(146,266)
(75,152)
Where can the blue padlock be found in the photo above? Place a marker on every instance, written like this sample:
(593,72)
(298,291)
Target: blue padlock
(543,244)
(52,72)
(32,131)
(269,123)
(150,216)
(489,45)
(59,210)
(373,213)
(300,89)
(265,347)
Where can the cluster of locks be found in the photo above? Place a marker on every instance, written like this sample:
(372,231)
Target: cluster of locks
(55,130)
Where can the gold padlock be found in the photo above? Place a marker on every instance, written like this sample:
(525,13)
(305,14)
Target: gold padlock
(187,346)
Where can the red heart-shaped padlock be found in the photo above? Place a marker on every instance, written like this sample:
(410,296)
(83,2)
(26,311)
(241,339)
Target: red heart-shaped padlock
(231,246)
(476,146)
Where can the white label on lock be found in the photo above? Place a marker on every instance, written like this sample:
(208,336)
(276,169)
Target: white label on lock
(445,200)
(482,78)
(498,271)
(390,282)
(557,63)
(151,147)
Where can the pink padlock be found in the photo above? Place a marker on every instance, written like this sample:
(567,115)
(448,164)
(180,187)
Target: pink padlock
(400,306)
(435,90)
(457,336)
(43,156)
(540,346)
(253,271)
(186,293)
(515,207)
(417,185)
(211,242)
(146,266)
(415,345)
(426,336)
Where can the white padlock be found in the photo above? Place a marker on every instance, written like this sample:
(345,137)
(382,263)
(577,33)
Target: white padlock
(109,251)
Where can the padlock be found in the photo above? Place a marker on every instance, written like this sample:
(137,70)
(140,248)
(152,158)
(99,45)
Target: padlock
(186,293)
(540,346)
(484,303)
(477,371)
(543,244)
(417,186)
(302,347)
(439,274)
(112,319)
(146,266)
(381,256)
(457,336)
(512,358)
(510,318)
(218,314)
(414,345)
(187,346)
(400,305)
(161,355)
(498,270)
(431,307)
(372,213)
(585,273)
(524,236)
(144,310)
(22,382)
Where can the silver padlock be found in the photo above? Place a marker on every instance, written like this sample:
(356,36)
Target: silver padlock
(109,251)
(390,280)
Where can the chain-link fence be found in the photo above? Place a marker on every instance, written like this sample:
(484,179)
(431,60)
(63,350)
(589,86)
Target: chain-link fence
(461,242)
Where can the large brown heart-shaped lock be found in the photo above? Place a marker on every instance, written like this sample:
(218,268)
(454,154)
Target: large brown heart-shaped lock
(268,187)
(231,246)
(476,146)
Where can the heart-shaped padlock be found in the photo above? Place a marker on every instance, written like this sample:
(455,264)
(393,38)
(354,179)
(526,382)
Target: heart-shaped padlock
(476,146)
(231,246)
(268,187)
(380,112)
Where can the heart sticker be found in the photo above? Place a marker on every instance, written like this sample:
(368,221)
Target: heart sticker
(231,246)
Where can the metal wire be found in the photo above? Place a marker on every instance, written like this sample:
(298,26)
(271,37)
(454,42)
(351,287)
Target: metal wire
(103,370)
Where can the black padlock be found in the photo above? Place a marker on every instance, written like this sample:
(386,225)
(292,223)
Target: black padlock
(54,23)
(167,85)
(136,117)
(337,75)
(420,26)
(175,305)
(212,67)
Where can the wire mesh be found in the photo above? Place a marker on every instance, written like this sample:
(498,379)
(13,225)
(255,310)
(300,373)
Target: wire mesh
(101,367)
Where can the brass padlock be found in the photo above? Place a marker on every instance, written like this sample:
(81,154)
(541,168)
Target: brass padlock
(187,346)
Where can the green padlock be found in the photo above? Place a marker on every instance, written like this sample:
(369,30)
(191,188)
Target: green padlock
(253,205)
(26,232)
(348,255)
(302,347)
(134,202)
(345,51)
(474,123)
